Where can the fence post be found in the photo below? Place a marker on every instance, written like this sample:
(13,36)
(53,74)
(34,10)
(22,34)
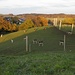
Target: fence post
(26,43)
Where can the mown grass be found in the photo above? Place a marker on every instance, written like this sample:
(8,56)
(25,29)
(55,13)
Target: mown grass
(50,37)
(48,63)
(50,59)
(67,28)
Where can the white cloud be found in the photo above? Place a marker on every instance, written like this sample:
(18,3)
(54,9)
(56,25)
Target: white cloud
(30,3)
(38,6)
(21,3)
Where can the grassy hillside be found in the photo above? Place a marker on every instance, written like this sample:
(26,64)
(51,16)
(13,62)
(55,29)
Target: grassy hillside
(49,59)
(67,28)
(50,37)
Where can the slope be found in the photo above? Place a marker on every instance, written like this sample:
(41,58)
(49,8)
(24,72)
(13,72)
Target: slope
(50,37)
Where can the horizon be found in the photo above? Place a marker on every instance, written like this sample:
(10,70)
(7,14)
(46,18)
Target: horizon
(33,6)
(37,13)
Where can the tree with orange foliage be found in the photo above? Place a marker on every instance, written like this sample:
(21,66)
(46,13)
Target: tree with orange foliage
(40,21)
(43,21)
(4,25)
(14,27)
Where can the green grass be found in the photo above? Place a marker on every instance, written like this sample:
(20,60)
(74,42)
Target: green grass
(67,28)
(50,59)
(50,36)
(48,63)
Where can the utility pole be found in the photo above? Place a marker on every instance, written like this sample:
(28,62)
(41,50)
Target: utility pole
(55,21)
(64,42)
(60,25)
(72,28)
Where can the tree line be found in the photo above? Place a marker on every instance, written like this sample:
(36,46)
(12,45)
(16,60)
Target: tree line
(11,24)
(15,23)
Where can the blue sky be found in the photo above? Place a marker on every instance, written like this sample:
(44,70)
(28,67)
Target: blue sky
(37,6)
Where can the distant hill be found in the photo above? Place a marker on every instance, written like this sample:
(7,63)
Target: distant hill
(50,15)
(61,15)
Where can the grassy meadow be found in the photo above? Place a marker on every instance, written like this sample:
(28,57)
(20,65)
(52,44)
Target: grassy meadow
(67,28)
(50,59)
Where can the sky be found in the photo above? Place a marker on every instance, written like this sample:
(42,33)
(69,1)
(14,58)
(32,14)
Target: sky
(37,6)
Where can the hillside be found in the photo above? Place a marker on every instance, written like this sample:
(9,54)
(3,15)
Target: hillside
(50,36)
(49,59)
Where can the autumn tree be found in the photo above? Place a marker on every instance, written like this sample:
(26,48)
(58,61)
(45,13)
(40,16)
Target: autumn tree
(4,25)
(14,27)
(36,22)
(43,21)
(68,21)
(40,21)
(27,24)
(1,22)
